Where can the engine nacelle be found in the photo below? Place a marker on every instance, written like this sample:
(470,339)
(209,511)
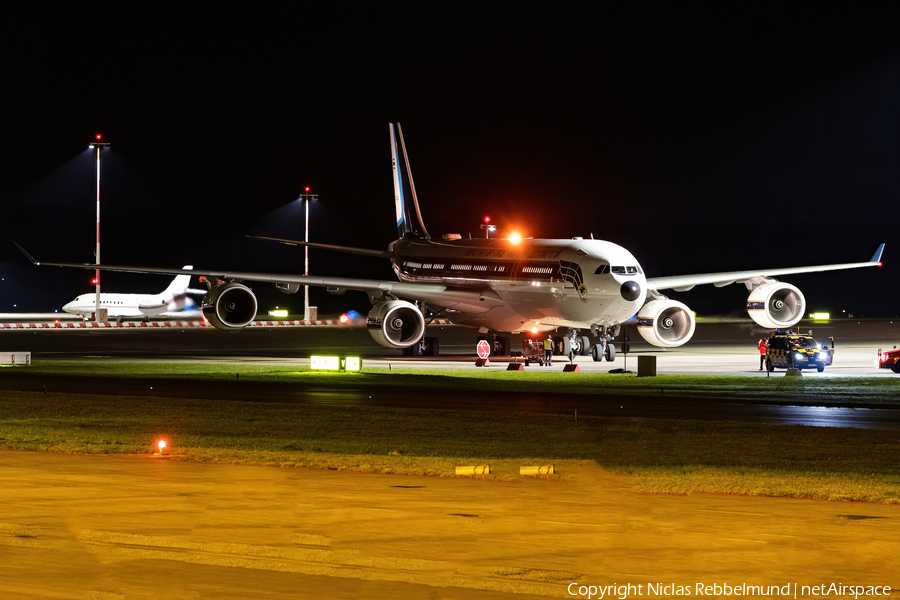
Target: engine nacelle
(665,323)
(229,306)
(396,324)
(776,304)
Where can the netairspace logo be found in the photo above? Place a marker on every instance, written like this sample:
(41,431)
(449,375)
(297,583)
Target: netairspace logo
(790,590)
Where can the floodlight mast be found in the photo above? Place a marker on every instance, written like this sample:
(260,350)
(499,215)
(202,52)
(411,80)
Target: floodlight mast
(97,144)
(306,196)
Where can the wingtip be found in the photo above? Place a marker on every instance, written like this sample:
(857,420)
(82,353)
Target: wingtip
(876,258)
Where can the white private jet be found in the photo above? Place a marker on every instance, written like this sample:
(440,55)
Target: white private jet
(171,302)
(583,289)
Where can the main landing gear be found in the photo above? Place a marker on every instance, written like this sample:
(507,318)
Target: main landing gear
(427,346)
(604,348)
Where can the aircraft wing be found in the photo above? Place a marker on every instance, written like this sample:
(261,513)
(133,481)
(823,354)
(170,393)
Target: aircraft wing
(682,283)
(474,300)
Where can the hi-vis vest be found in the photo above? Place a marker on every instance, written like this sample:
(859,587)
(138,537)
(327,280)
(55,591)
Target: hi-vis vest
(548,344)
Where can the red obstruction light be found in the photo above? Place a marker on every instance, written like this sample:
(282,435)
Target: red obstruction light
(98,136)
(95,281)
(306,188)
(487,219)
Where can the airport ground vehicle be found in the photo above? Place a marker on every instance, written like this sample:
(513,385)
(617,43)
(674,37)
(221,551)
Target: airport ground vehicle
(798,351)
(533,351)
(889,359)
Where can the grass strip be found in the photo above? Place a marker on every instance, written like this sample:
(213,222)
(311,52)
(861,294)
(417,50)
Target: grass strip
(665,456)
(820,391)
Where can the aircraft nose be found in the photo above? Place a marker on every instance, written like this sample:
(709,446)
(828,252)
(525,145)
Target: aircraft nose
(631,290)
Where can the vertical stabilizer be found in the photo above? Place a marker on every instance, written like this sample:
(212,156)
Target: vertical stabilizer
(406,205)
(179,284)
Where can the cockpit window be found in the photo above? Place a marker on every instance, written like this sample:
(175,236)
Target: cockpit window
(602,270)
(625,270)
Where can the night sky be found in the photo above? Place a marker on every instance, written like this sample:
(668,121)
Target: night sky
(701,141)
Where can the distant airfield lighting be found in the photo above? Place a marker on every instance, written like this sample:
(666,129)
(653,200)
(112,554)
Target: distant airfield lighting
(488,228)
(515,237)
(820,316)
(161,446)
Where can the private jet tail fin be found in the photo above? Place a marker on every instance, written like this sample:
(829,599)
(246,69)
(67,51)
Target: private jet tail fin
(409,223)
(179,284)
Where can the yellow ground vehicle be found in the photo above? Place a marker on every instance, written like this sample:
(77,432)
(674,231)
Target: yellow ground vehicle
(798,351)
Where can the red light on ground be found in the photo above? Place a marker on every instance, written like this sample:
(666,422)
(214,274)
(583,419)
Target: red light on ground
(98,136)
(95,281)
(344,318)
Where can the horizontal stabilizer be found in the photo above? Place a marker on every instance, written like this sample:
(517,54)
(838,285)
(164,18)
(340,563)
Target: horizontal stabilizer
(347,249)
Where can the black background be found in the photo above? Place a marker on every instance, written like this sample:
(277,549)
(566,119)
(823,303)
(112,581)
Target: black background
(700,139)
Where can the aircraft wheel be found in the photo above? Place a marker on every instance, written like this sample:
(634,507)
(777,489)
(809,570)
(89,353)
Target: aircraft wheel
(563,346)
(585,346)
(610,353)
(595,353)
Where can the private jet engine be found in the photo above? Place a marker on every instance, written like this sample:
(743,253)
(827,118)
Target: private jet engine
(776,304)
(396,324)
(229,306)
(666,323)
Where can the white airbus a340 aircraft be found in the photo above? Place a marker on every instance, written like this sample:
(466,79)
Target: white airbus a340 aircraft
(583,289)
(173,301)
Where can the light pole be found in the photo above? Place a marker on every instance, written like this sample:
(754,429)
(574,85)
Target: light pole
(488,228)
(98,144)
(306,196)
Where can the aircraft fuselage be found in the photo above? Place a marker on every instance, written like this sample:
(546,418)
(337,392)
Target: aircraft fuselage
(574,283)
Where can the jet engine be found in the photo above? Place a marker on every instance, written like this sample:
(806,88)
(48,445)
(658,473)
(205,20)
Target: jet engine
(396,324)
(776,304)
(229,306)
(666,323)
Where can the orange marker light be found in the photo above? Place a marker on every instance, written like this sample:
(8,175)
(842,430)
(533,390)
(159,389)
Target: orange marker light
(161,446)
(515,237)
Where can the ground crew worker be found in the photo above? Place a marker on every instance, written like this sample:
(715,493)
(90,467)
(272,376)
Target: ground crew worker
(762,345)
(548,351)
